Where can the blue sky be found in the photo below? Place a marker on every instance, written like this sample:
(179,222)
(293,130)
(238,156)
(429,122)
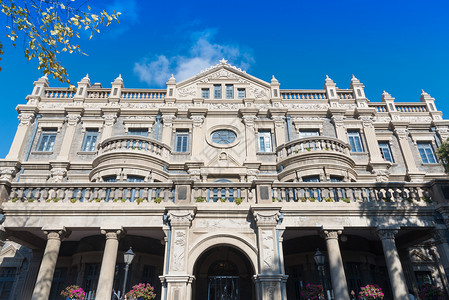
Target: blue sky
(397,46)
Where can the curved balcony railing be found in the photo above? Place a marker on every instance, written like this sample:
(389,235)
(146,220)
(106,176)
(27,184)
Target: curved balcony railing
(311,144)
(137,144)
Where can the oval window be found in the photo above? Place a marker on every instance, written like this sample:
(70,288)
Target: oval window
(223,136)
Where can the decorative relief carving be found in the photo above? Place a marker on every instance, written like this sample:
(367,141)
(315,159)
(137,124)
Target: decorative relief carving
(168,120)
(259,92)
(140,118)
(386,234)
(187,91)
(249,120)
(222,62)
(25,119)
(226,106)
(330,234)
(301,119)
(57,174)
(307,106)
(197,120)
(382,119)
(109,120)
(267,218)
(401,133)
(224,75)
(268,249)
(382,175)
(221,223)
(7,173)
(338,120)
(181,217)
(252,174)
(179,250)
(367,121)
(279,121)
(195,174)
(416,119)
(72,120)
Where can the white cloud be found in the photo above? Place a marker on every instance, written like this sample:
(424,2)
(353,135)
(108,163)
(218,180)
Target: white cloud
(203,53)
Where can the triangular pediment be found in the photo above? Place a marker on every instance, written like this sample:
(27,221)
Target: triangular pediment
(10,251)
(223,73)
(223,160)
(417,256)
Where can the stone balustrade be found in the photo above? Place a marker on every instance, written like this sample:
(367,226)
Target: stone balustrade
(92,192)
(130,143)
(412,107)
(345,94)
(303,94)
(223,192)
(59,93)
(406,193)
(98,93)
(143,94)
(312,144)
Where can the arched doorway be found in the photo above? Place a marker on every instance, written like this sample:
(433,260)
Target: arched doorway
(223,273)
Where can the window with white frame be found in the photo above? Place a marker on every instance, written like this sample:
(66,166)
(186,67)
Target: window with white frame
(265,144)
(217,91)
(90,140)
(385,150)
(229,91)
(205,93)
(426,152)
(355,141)
(241,93)
(308,132)
(182,141)
(47,140)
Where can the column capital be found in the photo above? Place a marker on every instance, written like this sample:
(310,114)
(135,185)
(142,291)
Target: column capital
(181,217)
(113,233)
(249,120)
(401,133)
(168,120)
(57,234)
(367,121)
(25,119)
(279,121)
(439,235)
(197,120)
(109,120)
(73,119)
(328,234)
(266,218)
(386,233)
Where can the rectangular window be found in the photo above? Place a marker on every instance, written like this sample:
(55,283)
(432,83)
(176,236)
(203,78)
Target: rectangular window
(138,131)
(308,132)
(426,152)
(7,277)
(181,141)
(265,144)
(229,91)
(241,93)
(47,140)
(90,140)
(355,141)
(217,91)
(205,93)
(386,151)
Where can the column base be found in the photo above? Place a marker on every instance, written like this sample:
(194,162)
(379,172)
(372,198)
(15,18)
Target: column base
(177,287)
(416,176)
(271,286)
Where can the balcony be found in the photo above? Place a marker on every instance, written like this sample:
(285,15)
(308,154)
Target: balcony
(137,153)
(311,154)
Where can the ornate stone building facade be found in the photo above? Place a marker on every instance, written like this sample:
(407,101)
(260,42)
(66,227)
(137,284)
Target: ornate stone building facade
(224,185)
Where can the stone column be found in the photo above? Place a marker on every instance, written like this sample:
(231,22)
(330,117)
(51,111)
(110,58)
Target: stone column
(279,130)
(48,264)
(340,129)
(106,279)
(167,129)
(271,280)
(177,281)
(338,277)
(442,246)
(412,170)
(197,136)
(72,121)
(394,266)
(25,121)
(109,121)
(250,137)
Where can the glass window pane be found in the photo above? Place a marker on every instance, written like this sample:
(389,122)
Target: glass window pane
(386,151)
(265,141)
(355,141)
(138,131)
(217,91)
(241,93)
(205,93)
(223,136)
(47,141)
(426,152)
(229,91)
(309,132)
(181,141)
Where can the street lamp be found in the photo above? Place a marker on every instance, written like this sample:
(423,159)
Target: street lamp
(319,260)
(128,258)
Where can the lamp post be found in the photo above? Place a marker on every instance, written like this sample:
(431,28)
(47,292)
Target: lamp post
(128,258)
(319,260)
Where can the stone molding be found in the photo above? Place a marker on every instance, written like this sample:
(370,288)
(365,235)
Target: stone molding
(181,217)
(386,234)
(113,233)
(249,120)
(168,120)
(266,218)
(197,120)
(331,234)
(58,234)
(72,120)
(109,120)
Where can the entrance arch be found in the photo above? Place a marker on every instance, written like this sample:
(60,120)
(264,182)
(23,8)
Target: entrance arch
(223,273)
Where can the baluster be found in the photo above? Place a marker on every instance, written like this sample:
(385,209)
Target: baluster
(290,196)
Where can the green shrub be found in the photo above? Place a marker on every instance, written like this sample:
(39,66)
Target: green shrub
(238,200)
(140,200)
(31,200)
(199,199)
(347,200)
(223,199)
(329,199)
(157,200)
(14,200)
(73,200)
(427,199)
(311,199)
(303,199)
(123,200)
(309,149)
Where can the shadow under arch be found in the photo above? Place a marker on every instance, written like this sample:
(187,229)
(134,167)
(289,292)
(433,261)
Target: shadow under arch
(223,271)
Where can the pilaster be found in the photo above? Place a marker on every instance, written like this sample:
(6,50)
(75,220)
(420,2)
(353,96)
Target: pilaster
(26,119)
(249,118)
(278,117)
(109,116)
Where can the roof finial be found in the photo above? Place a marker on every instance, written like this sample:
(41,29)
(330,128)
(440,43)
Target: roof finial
(223,61)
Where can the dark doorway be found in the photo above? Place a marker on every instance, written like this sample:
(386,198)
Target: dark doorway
(223,273)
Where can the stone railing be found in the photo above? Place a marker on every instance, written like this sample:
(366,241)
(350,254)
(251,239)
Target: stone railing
(92,192)
(380,107)
(139,144)
(345,94)
(311,144)
(238,192)
(98,93)
(303,94)
(411,107)
(143,94)
(350,192)
(59,93)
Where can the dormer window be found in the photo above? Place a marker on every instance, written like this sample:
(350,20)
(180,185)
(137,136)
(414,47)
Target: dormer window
(229,91)
(217,91)
(205,94)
